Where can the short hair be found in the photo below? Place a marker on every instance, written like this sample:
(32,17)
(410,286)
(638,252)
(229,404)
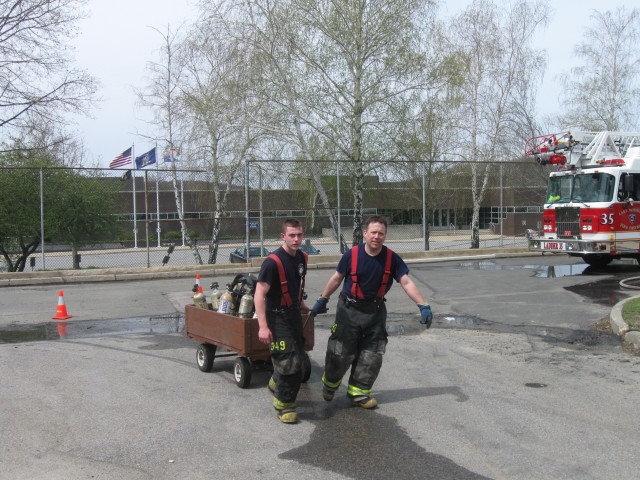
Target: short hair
(290,222)
(375,219)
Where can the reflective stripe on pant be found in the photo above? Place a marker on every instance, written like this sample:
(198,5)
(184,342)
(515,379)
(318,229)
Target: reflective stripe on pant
(358,340)
(286,348)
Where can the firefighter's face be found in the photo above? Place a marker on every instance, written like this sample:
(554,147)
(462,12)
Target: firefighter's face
(375,235)
(292,238)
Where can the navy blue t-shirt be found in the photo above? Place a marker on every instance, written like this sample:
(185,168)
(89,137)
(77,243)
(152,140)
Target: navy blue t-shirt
(294,269)
(370,271)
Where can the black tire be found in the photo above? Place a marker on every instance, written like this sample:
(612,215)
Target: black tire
(204,356)
(597,260)
(306,368)
(242,372)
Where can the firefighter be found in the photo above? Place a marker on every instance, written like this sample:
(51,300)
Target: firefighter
(359,336)
(279,307)
(554,195)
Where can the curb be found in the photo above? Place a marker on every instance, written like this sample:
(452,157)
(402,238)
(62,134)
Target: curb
(152,273)
(620,327)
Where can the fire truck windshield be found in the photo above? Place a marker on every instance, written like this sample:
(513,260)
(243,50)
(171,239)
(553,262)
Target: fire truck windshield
(582,187)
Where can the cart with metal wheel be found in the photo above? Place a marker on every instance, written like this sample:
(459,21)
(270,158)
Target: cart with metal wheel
(238,337)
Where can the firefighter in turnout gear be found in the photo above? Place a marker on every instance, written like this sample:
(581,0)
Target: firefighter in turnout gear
(359,335)
(279,307)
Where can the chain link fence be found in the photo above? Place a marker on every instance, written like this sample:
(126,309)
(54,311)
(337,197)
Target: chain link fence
(167,216)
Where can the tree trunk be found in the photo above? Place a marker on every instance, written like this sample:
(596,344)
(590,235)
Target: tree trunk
(475,229)
(215,235)
(75,259)
(179,209)
(358,205)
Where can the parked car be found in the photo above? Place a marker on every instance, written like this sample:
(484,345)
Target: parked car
(239,255)
(309,249)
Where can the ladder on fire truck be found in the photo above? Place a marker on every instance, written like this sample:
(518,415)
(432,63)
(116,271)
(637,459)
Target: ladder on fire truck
(581,149)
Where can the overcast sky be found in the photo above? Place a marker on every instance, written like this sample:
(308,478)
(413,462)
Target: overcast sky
(116,42)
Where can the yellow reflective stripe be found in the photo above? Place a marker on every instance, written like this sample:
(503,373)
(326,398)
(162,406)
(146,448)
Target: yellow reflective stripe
(278,405)
(329,384)
(356,392)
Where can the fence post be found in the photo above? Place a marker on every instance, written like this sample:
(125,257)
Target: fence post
(42,217)
(246,208)
(182,230)
(339,207)
(501,207)
(135,213)
(260,217)
(424,206)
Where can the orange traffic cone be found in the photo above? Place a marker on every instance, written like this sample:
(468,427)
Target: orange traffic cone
(61,311)
(198,283)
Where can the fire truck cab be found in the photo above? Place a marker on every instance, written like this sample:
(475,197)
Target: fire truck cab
(592,208)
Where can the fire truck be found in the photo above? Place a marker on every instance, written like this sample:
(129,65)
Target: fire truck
(592,208)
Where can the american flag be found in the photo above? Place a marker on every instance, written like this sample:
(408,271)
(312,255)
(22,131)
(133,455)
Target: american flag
(122,160)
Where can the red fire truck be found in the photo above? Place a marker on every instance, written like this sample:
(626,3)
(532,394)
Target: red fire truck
(592,209)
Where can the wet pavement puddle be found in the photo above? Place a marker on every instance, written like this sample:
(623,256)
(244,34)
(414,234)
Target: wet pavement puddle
(604,291)
(542,271)
(61,329)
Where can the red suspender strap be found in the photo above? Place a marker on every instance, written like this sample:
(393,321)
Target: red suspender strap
(387,274)
(355,291)
(284,287)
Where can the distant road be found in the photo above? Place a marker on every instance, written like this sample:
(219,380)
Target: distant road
(139,257)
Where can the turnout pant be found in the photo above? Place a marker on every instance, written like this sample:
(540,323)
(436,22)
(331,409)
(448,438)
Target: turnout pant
(287,348)
(358,340)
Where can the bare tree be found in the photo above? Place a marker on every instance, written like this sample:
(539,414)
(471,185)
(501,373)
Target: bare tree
(493,44)
(218,101)
(37,83)
(360,62)
(604,92)
(162,97)
(264,28)
(336,74)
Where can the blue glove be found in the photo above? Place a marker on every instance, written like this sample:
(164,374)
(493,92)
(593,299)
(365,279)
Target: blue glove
(319,307)
(426,317)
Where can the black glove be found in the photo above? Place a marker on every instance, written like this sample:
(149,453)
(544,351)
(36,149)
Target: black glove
(426,317)
(319,307)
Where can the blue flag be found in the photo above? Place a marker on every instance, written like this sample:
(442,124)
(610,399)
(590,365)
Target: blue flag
(146,159)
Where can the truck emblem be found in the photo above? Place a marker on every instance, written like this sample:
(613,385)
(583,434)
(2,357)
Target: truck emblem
(632,218)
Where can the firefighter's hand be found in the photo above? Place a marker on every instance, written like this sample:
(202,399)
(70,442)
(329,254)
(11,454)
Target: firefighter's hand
(264,335)
(426,317)
(320,306)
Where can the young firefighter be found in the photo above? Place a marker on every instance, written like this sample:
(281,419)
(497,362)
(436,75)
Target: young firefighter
(359,335)
(279,307)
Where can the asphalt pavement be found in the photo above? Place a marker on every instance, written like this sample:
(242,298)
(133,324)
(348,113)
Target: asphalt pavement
(503,399)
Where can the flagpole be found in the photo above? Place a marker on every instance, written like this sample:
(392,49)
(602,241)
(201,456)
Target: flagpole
(182,202)
(157,195)
(146,214)
(133,176)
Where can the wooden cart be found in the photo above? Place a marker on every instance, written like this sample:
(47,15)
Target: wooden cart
(239,337)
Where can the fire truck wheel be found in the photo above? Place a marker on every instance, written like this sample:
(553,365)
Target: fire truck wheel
(597,260)
(242,372)
(306,368)
(204,357)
